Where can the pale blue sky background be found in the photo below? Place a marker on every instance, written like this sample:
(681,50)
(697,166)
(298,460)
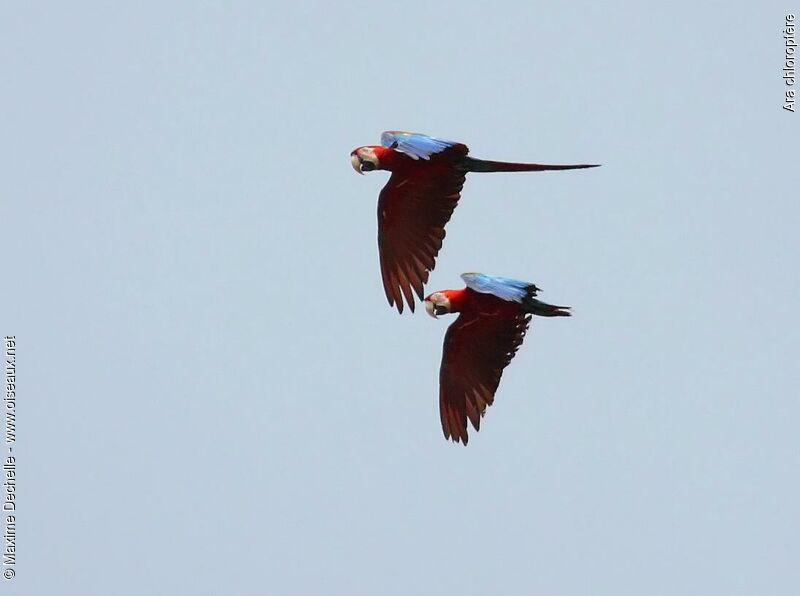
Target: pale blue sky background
(214,397)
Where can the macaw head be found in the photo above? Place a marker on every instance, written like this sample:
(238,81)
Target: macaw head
(365,159)
(437,304)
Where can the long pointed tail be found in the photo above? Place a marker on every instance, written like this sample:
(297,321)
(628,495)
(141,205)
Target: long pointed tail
(542,309)
(482,165)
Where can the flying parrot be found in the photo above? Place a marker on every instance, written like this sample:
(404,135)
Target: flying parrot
(495,313)
(417,202)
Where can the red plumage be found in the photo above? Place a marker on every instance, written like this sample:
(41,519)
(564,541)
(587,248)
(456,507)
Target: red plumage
(477,347)
(413,209)
(418,201)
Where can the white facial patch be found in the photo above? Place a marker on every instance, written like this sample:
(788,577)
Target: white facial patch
(368,154)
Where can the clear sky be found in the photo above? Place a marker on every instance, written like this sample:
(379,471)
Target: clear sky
(214,396)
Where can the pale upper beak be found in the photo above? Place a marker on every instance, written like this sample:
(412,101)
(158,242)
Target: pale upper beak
(430,309)
(356,161)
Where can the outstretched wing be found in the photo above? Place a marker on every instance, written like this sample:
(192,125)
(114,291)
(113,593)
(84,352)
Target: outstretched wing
(414,144)
(513,290)
(413,209)
(477,347)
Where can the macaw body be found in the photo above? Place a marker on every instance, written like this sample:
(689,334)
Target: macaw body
(494,316)
(415,205)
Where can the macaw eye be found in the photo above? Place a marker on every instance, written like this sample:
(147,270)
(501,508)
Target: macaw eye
(367,166)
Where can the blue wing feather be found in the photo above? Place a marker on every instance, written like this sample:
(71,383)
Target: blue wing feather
(415,145)
(512,290)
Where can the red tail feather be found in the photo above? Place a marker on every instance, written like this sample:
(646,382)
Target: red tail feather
(482,165)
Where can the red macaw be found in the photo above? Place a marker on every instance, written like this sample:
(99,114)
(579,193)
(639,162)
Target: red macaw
(495,313)
(417,202)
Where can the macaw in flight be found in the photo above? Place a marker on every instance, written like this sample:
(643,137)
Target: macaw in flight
(495,313)
(417,202)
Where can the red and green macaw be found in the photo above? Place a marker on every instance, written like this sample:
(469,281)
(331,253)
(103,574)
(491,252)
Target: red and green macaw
(494,317)
(417,202)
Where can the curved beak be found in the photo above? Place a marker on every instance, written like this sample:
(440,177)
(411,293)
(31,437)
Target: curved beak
(355,160)
(430,309)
